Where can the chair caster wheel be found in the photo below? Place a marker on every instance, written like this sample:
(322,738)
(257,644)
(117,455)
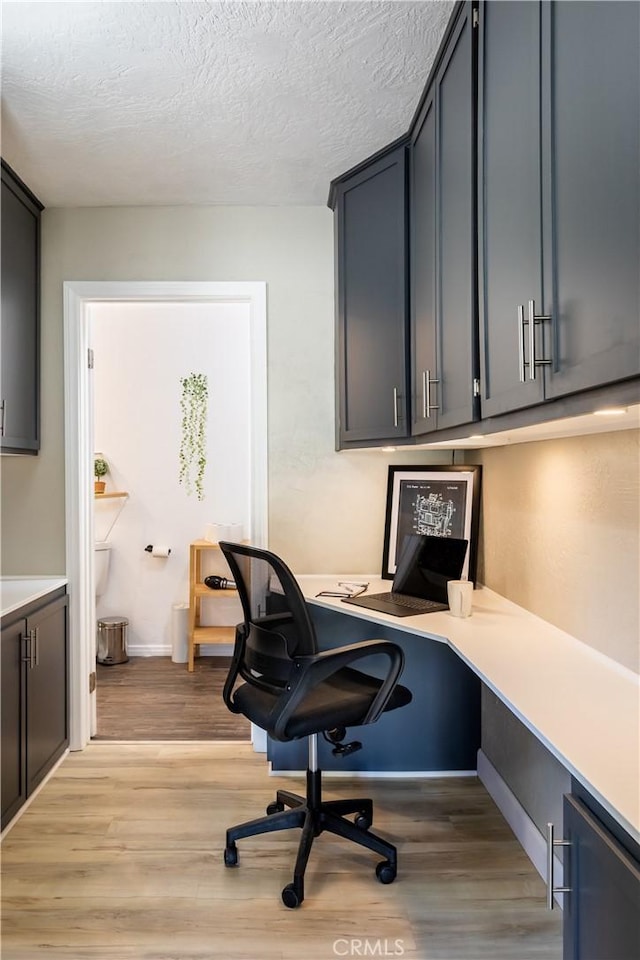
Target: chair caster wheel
(275,807)
(386,872)
(231,855)
(362,822)
(290,896)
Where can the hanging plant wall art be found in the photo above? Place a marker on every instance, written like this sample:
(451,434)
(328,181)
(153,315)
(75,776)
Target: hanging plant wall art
(193,447)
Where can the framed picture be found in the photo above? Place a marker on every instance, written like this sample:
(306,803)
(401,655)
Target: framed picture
(436,502)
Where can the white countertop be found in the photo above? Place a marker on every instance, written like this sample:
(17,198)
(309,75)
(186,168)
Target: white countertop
(17,591)
(583,706)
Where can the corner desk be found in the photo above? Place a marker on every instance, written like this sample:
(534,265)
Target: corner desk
(583,706)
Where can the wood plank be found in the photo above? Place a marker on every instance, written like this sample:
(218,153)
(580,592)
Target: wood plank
(120,857)
(152,698)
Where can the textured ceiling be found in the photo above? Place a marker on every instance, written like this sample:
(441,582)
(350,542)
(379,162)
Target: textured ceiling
(107,103)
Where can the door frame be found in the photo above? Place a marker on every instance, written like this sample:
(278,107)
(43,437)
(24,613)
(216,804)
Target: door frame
(78,421)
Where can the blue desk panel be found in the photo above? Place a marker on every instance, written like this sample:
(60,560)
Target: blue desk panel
(438,731)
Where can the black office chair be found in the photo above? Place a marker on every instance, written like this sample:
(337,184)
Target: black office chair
(280,681)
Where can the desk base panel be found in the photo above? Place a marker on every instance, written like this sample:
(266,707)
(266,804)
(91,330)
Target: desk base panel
(438,731)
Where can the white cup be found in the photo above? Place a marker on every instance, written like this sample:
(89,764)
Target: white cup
(460,594)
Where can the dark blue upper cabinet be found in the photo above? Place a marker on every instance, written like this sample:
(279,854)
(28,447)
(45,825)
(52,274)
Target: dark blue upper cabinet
(558,186)
(20,268)
(510,201)
(443,255)
(591,146)
(371,288)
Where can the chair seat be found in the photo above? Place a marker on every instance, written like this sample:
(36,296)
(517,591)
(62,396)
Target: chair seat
(342,700)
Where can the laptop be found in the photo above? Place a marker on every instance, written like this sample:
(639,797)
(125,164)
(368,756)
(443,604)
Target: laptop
(425,567)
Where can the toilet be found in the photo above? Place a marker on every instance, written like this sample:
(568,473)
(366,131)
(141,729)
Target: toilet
(102,561)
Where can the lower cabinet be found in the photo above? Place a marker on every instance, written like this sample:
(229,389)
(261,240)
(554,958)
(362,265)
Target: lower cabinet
(34,705)
(602,908)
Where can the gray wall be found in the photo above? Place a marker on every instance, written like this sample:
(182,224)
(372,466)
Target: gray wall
(560,534)
(326,510)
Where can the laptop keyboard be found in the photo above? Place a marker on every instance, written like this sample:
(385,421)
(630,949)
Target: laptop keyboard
(410,603)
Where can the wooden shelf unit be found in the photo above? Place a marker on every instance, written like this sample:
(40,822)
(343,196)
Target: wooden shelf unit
(198,634)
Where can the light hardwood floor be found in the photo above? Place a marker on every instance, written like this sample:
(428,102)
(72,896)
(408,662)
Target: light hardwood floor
(120,857)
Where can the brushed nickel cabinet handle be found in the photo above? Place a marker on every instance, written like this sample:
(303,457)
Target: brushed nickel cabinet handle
(30,655)
(27,638)
(395,406)
(424,394)
(533,321)
(430,406)
(521,339)
(551,843)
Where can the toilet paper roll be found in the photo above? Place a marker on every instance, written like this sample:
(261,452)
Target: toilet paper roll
(160,550)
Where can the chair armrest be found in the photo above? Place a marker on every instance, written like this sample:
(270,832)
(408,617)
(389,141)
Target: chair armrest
(309,672)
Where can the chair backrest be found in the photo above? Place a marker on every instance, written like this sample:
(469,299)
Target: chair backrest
(277,626)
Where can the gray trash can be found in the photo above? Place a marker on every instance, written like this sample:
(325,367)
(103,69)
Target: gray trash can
(112,640)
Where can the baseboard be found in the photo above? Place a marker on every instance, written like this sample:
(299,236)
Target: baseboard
(376,774)
(531,840)
(149,649)
(165,650)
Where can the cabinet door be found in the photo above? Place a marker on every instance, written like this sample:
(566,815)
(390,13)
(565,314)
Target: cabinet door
(47,691)
(12,784)
(19,415)
(509,188)
(592,223)
(456,324)
(602,911)
(423,268)
(372,302)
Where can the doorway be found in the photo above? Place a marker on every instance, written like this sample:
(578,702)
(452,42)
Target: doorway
(83,301)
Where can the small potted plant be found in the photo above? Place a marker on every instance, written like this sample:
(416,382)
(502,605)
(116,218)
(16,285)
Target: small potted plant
(100,469)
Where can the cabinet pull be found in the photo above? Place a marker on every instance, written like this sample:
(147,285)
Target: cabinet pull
(2,410)
(395,406)
(429,406)
(424,394)
(36,637)
(29,654)
(551,843)
(26,650)
(521,338)
(533,321)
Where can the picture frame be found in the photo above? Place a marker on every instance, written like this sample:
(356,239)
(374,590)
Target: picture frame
(435,501)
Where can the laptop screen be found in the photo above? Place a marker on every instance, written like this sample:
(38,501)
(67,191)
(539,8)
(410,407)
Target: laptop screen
(427,563)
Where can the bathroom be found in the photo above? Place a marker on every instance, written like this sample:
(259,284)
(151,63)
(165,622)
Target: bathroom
(178,460)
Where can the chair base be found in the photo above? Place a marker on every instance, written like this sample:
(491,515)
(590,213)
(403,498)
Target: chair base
(314,816)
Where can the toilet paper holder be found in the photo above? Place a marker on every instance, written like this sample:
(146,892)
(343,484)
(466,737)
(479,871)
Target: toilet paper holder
(149,549)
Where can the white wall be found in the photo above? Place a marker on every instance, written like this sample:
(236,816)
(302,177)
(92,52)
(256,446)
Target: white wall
(141,353)
(326,510)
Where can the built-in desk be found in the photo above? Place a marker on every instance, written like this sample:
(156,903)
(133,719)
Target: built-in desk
(583,706)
